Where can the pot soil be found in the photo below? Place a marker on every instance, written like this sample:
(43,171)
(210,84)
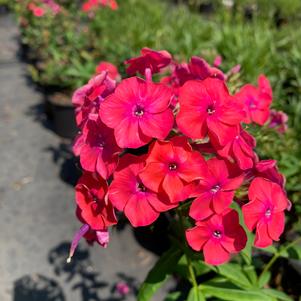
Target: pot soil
(60,108)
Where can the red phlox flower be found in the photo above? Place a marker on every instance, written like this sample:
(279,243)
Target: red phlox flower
(268,169)
(206,107)
(152,59)
(111,70)
(278,120)
(128,193)
(218,237)
(257,101)
(239,149)
(265,211)
(90,5)
(138,111)
(88,98)
(93,208)
(200,69)
(109,3)
(215,190)
(36,10)
(97,148)
(171,166)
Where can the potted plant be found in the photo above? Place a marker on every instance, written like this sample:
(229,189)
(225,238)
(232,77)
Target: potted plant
(198,163)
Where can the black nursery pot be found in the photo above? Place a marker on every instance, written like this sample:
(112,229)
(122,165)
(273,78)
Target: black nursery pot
(62,115)
(64,121)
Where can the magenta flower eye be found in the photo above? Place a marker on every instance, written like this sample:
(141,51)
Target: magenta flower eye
(139,111)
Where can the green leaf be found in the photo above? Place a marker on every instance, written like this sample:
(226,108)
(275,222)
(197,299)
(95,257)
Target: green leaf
(251,273)
(234,273)
(192,297)
(234,294)
(264,279)
(173,296)
(277,294)
(293,252)
(159,273)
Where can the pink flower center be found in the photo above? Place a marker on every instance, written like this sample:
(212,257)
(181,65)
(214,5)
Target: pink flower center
(210,109)
(217,234)
(251,103)
(268,213)
(172,166)
(139,111)
(215,189)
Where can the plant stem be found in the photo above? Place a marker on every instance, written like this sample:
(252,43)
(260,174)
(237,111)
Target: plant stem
(278,254)
(190,266)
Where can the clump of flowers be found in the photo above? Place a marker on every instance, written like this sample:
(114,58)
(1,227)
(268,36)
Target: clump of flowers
(41,7)
(92,5)
(178,145)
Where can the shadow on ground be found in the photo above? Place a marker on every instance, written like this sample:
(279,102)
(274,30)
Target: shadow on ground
(79,275)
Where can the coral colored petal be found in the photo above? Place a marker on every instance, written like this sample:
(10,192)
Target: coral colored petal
(192,123)
(122,188)
(200,208)
(160,202)
(218,168)
(261,189)
(244,161)
(161,151)
(140,212)
(233,183)
(157,125)
(276,225)
(88,157)
(214,253)
(222,200)
(252,213)
(128,134)
(153,175)
(221,131)
(172,185)
(191,169)
(260,116)
(262,238)
(160,96)
(279,198)
(197,237)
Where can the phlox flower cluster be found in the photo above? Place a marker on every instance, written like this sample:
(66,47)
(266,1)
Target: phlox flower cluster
(92,5)
(149,147)
(40,8)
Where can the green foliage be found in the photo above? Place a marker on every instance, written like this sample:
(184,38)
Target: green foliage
(159,274)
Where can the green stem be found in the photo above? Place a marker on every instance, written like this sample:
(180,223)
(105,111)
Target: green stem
(189,263)
(278,254)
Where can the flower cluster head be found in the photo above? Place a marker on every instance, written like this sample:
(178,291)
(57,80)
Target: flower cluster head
(41,7)
(92,5)
(180,144)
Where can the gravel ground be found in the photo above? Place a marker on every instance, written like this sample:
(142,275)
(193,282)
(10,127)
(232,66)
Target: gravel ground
(37,208)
